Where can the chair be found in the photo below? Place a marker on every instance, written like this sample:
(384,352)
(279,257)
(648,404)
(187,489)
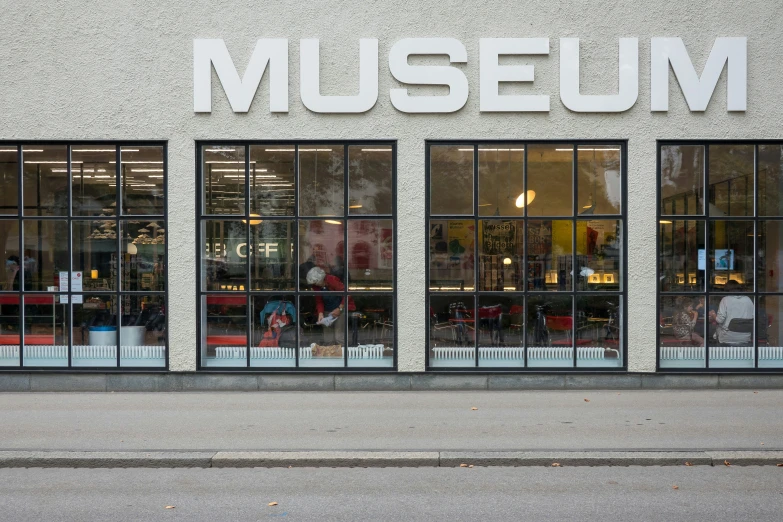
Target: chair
(741,326)
(564,324)
(517,317)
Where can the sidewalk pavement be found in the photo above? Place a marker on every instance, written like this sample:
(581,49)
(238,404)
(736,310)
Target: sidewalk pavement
(391,428)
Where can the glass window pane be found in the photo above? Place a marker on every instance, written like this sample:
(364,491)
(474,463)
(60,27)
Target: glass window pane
(550,260)
(94,330)
(453,330)
(731,255)
(12,263)
(45,180)
(769,331)
(501,177)
(371,332)
(682,324)
(9,180)
(323,336)
(770,256)
(501,250)
(45,254)
(9,330)
(599,255)
(682,180)
(143,255)
(321,245)
(94,180)
(273,334)
(452,255)
(501,331)
(451,179)
(223,173)
(272,255)
(321,180)
(94,256)
(272,180)
(143,331)
(599,189)
(550,180)
(46,331)
(770,180)
(370,179)
(598,336)
(224,266)
(731,180)
(371,254)
(224,330)
(550,331)
(682,260)
(142,171)
(731,330)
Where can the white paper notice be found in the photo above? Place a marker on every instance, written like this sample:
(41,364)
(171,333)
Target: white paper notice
(64,282)
(76,282)
(702,259)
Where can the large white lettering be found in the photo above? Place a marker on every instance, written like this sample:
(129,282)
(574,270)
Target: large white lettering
(491,73)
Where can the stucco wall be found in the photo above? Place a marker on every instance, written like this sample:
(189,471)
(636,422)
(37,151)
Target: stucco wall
(123,70)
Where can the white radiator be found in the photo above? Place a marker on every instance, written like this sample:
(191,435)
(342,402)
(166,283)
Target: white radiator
(9,352)
(682,353)
(550,352)
(770,353)
(45,352)
(366,351)
(143,352)
(275,352)
(731,353)
(500,352)
(94,352)
(454,353)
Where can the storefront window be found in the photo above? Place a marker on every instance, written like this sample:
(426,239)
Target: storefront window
(297,255)
(84,285)
(718,274)
(529,273)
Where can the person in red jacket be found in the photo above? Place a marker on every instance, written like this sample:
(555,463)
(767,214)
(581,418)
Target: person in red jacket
(330,304)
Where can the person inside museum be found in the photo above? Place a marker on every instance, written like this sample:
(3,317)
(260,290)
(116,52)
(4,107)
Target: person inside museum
(734,319)
(330,305)
(684,321)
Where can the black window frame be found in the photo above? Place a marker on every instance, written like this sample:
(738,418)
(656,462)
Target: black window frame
(70,218)
(573,294)
(202,216)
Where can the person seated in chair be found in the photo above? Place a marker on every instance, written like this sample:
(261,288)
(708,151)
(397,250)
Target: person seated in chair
(734,318)
(684,321)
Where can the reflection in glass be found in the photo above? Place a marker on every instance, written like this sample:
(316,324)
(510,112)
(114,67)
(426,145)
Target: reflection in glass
(452,254)
(370,179)
(550,180)
(94,180)
(452,330)
(370,254)
(224,266)
(323,337)
(731,327)
(550,260)
(142,173)
(682,260)
(371,331)
(731,180)
(94,252)
(45,254)
(769,246)
(501,172)
(769,331)
(321,180)
(143,331)
(94,330)
(273,334)
(46,330)
(682,180)
(770,180)
(272,180)
(224,330)
(501,250)
(599,189)
(272,255)
(683,326)
(451,180)
(321,244)
(223,173)
(550,331)
(731,255)
(143,255)
(501,331)
(9,180)
(45,180)
(598,245)
(12,263)
(598,336)
(10,337)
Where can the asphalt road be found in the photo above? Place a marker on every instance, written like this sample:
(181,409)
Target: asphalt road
(511,421)
(404,494)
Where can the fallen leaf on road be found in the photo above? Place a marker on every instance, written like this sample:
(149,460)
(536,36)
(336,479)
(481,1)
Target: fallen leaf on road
(587,400)
(755,392)
(779,465)
(463,465)
(762,443)
(688,464)
(273,503)
(726,463)
(170,507)
(556,465)
(470,466)
(675,487)
(474,408)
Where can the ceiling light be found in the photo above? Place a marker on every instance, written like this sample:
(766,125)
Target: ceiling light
(11,150)
(146,170)
(31,150)
(315,150)
(595,149)
(93,150)
(227,149)
(52,162)
(155,176)
(104,176)
(665,222)
(507,261)
(137,162)
(279,150)
(253,221)
(499,150)
(531,195)
(377,150)
(333,222)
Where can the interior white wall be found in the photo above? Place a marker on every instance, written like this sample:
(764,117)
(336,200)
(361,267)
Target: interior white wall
(123,70)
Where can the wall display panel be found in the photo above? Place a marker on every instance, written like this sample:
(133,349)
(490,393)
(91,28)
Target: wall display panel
(727,261)
(534,276)
(304,276)
(75,269)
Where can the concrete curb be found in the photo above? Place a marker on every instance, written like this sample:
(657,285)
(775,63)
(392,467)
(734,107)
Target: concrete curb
(378,459)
